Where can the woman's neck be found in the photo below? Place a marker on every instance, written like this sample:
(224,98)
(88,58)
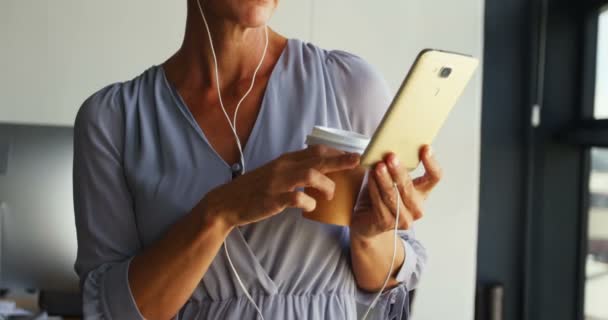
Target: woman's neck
(238,50)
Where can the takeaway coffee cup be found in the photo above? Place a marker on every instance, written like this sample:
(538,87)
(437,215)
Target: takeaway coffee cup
(339,210)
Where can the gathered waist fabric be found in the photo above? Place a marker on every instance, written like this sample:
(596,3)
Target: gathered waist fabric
(277,306)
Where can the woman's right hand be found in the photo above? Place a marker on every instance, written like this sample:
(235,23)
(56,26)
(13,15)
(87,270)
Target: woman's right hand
(270,189)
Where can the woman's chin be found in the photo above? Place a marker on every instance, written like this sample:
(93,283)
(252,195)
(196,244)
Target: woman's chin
(256,18)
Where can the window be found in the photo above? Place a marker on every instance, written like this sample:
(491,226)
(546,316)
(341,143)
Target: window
(596,284)
(601,77)
(596,262)
(556,205)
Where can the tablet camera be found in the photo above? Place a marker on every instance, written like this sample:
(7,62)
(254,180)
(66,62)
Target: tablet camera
(445,72)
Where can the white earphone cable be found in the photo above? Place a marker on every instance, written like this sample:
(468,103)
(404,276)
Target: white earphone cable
(390,271)
(232,125)
(238,278)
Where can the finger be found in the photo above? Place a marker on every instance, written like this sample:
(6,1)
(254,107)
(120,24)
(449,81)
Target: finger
(405,221)
(312,178)
(315,151)
(384,217)
(297,199)
(410,197)
(400,175)
(324,158)
(332,163)
(432,171)
(415,209)
(385,186)
(409,209)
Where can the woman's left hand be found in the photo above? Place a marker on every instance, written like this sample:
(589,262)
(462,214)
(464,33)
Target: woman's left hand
(375,211)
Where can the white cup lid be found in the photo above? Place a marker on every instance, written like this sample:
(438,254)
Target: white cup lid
(339,139)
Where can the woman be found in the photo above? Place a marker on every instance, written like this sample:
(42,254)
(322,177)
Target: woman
(155,194)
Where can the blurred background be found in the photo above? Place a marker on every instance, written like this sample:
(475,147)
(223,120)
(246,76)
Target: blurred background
(518,228)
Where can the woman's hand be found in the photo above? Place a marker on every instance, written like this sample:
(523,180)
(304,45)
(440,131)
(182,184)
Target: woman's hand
(375,212)
(270,189)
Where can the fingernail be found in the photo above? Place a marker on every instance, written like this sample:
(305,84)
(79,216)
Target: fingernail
(430,151)
(394,161)
(381,168)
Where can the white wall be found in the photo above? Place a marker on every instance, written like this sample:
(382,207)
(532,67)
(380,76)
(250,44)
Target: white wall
(54,54)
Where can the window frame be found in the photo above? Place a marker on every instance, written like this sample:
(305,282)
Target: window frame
(584,133)
(534,176)
(587,133)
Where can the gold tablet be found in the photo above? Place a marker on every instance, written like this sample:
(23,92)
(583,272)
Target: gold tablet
(428,93)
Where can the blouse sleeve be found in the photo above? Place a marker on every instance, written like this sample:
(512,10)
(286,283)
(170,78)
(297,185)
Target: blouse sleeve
(364,95)
(105,221)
